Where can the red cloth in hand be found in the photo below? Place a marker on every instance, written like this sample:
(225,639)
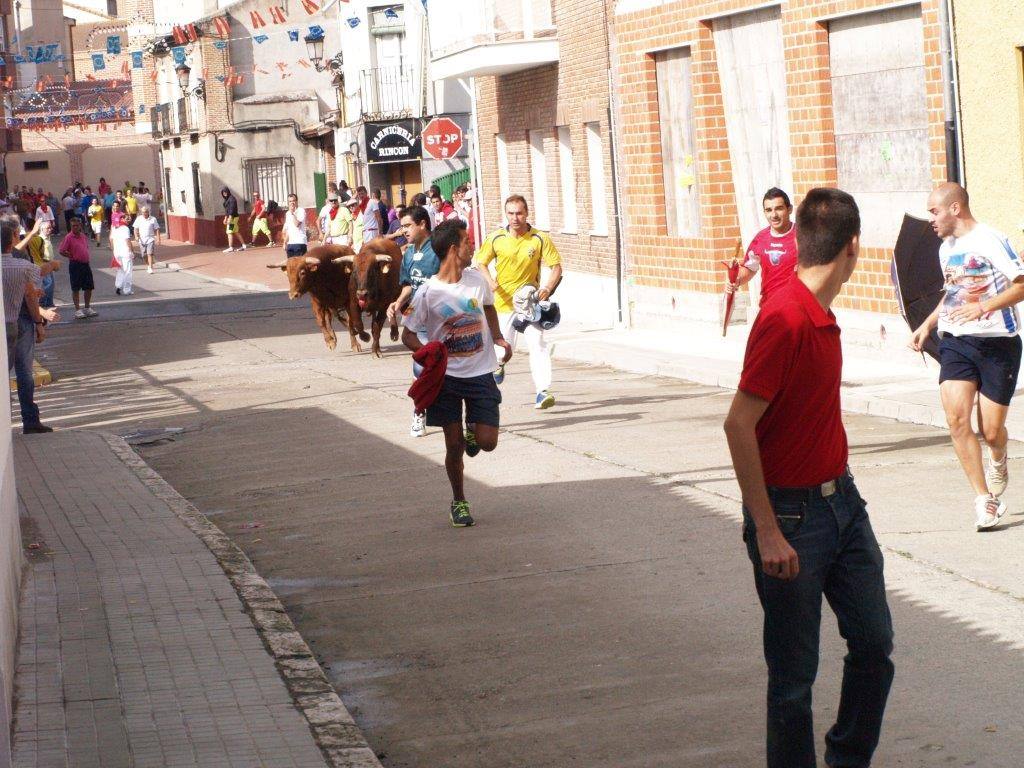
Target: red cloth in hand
(434,359)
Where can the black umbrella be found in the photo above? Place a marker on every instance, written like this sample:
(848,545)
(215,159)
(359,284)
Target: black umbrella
(917,276)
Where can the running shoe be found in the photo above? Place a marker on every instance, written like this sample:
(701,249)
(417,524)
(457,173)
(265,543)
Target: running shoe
(90,312)
(472,446)
(228,250)
(80,314)
(997,475)
(460,514)
(244,246)
(544,400)
(499,375)
(149,270)
(988,510)
(117,291)
(419,425)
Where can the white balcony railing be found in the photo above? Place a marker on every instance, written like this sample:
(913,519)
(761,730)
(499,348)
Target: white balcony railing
(390,92)
(457,26)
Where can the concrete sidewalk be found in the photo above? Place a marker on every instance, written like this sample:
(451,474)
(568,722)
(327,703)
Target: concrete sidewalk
(242,269)
(147,638)
(881,377)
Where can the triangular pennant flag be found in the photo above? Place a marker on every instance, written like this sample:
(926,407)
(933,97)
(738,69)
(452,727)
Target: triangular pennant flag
(256,19)
(222,26)
(178,34)
(277,14)
(191,33)
(260,39)
(311,6)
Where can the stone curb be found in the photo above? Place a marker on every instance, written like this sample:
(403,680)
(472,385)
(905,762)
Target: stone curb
(333,728)
(230,282)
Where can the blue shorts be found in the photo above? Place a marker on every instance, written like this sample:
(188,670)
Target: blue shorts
(480,394)
(296,249)
(991,362)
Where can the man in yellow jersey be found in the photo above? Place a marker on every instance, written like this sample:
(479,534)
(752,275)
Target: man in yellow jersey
(518,251)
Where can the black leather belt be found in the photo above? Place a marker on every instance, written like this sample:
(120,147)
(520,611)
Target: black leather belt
(823,491)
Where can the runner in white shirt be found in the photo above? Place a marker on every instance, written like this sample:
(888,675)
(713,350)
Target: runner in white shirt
(456,308)
(296,241)
(147,230)
(124,257)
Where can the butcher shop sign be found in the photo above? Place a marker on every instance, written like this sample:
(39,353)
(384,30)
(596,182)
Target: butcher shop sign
(393,142)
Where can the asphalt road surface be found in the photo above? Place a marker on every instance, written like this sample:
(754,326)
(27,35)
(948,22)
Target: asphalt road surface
(602,611)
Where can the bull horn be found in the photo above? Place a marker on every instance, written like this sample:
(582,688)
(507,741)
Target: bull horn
(384,257)
(344,260)
(312,260)
(279,264)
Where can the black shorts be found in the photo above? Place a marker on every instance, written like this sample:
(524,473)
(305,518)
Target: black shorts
(81,276)
(296,249)
(991,362)
(481,395)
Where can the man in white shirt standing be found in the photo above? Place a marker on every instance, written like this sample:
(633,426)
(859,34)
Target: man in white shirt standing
(979,341)
(147,231)
(295,238)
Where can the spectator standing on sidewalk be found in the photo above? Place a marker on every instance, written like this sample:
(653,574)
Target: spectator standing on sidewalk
(75,248)
(231,220)
(296,240)
(518,251)
(335,223)
(40,249)
(456,309)
(68,205)
(773,250)
(131,206)
(370,216)
(147,232)
(979,341)
(24,323)
(260,222)
(95,213)
(805,524)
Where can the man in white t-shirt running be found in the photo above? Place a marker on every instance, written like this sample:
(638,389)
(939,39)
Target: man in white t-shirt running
(121,247)
(456,308)
(979,341)
(147,232)
(295,238)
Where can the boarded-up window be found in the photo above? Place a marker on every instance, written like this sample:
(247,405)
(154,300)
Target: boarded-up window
(679,166)
(881,117)
(752,70)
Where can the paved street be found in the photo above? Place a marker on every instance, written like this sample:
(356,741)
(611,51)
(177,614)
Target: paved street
(601,613)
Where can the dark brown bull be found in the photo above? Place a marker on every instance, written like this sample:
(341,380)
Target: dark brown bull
(323,273)
(372,287)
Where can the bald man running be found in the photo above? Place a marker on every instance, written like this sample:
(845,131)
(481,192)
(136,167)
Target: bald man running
(980,345)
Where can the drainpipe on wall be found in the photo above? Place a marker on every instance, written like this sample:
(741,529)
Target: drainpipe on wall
(478,188)
(950,95)
(623,319)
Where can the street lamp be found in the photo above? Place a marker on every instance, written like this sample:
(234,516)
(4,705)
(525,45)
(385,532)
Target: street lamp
(184,71)
(315,50)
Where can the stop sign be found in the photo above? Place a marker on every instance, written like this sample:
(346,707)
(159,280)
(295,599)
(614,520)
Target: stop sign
(442,138)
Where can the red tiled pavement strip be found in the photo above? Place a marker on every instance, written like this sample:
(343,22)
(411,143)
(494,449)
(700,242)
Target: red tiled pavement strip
(248,266)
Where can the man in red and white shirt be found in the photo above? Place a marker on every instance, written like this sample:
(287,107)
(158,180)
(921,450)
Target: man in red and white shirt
(805,524)
(773,250)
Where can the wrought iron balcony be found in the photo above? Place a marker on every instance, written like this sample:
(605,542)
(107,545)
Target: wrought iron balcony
(391,92)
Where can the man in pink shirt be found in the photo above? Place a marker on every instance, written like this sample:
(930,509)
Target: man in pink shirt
(75,248)
(773,250)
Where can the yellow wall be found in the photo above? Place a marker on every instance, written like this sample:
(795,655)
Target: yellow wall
(989,34)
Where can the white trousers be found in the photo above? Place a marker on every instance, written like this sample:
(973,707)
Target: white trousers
(123,278)
(536,344)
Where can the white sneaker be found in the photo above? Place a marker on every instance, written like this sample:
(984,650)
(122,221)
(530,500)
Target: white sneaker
(80,314)
(988,511)
(419,425)
(997,475)
(90,312)
(149,270)
(244,246)
(228,250)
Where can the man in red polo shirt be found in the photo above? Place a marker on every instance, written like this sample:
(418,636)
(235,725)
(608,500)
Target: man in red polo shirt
(773,250)
(804,522)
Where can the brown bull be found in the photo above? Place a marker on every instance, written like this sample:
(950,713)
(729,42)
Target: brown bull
(323,273)
(372,287)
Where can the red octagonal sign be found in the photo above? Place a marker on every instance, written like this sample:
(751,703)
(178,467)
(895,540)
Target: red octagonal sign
(442,138)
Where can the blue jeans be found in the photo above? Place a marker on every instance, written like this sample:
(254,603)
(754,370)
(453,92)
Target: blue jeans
(47,300)
(840,559)
(20,358)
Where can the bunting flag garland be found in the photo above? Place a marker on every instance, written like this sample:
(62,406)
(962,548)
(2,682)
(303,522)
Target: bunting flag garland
(98,62)
(178,53)
(353,21)
(223,26)
(258,39)
(277,14)
(114,45)
(178,35)
(293,35)
(220,45)
(136,59)
(310,6)
(316,32)
(256,19)
(191,33)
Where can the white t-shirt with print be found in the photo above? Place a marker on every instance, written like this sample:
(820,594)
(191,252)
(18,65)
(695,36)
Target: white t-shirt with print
(295,227)
(976,267)
(453,313)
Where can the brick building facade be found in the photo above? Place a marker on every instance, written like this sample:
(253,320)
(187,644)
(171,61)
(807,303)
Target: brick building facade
(553,121)
(853,114)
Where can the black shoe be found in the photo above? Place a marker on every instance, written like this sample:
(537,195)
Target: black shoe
(460,514)
(472,446)
(117,291)
(38,429)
